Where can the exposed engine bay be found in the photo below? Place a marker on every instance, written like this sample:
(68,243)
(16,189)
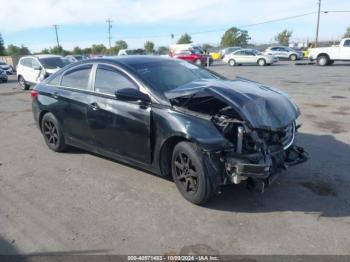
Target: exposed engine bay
(259,154)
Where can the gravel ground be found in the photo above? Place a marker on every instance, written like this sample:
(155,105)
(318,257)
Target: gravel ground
(80,203)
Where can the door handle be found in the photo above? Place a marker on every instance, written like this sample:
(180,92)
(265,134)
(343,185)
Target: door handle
(55,95)
(94,106)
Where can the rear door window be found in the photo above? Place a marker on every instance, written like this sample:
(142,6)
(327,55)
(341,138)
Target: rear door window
(77,77)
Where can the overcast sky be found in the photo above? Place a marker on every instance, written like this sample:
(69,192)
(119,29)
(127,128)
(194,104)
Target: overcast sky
(82,22)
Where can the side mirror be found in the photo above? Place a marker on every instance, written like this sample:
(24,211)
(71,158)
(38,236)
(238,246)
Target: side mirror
(37,68)
(131,94)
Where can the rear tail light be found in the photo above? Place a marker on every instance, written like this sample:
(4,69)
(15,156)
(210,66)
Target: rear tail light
(34,94)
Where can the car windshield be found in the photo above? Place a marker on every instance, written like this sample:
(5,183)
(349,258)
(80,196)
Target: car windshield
(52,62)
(167,75)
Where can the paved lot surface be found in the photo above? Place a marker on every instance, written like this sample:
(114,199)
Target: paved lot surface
(76,202)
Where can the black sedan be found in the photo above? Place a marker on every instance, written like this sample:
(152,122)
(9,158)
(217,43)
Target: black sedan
(172,118)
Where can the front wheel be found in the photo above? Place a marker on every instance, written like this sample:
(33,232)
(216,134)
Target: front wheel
(198,62)
(232,62)
(52,133)
(261,62)
(189,173)
(293,57)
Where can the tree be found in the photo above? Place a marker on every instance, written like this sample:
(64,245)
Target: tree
(2,45)
(235,37)
(87,51)
(185,39)
(207,47)
(121,44)
(45,51)
(283,37)
(347,33)
(77,50)
(149,47)
(56,50)
(13,50)
(98,49)
(162,50)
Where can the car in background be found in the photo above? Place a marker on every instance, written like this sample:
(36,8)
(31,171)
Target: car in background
(7,68)
(284,52)
(74,58)
(138,51)
(229,50)
(190,56)
(3,76)
(327,55)
(249,56)
(35,68)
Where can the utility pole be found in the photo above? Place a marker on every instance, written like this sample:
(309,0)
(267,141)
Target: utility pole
(318,22)
(58,43)
(109,22)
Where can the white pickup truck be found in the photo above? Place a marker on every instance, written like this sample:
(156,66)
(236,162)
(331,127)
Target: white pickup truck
(327,55)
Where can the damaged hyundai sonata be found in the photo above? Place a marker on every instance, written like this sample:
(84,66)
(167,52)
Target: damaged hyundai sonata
(171,118)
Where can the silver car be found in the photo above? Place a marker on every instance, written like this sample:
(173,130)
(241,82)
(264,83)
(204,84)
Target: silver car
(249,56)
(284,52)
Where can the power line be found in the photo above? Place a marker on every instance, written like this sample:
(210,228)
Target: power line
(109,22)
(58,43)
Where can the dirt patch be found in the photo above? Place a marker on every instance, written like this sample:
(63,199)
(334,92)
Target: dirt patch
(293,82)
(11,93)
(339,97)
(342,113)
(320,188)
(316,105)
(333,126)
(344,108)
(198,249)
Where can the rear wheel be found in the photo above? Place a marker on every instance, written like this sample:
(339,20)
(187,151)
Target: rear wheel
(22,83)
(189,174)
(52,133)
(322,60)
(232,62)
(261,62)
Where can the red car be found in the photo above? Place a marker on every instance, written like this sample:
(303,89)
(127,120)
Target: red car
(190,56)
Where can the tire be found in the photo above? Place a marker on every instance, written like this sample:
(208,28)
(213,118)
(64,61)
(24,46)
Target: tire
(322,60)
(22,83)
(293,57)
(189,173)
(261,62)
(198,62)
(231,62)
(53,136)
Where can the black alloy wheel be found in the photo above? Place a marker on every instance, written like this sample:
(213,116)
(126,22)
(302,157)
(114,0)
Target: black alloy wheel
(186,173)
(52,133)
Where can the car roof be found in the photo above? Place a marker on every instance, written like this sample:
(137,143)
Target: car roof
(132,59)
(41,56)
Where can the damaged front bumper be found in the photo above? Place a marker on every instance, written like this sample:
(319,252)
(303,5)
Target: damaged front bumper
(261,170)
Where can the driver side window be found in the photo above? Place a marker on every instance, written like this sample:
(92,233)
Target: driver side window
(109,79)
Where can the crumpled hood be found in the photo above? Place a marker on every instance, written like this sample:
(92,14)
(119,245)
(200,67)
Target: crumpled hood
(260,106)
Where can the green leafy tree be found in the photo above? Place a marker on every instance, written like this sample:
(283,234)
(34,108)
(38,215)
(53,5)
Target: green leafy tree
(77,50)
(283,37)
(162,50)
(45,51)
(56,50)
(2,45)
(120,44)
(87,51)
(149,47)
(98,49)
(185,39)
(347,33)
(235,37)
(13,50)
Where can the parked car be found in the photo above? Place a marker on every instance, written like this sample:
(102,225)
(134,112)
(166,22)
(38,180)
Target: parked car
(229,50)
(171,117)
(74,58)
(249,56)
(33,69)
(284,52)
(131,52)
(7,68)
(190,56)
(327,55)
(3,76)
